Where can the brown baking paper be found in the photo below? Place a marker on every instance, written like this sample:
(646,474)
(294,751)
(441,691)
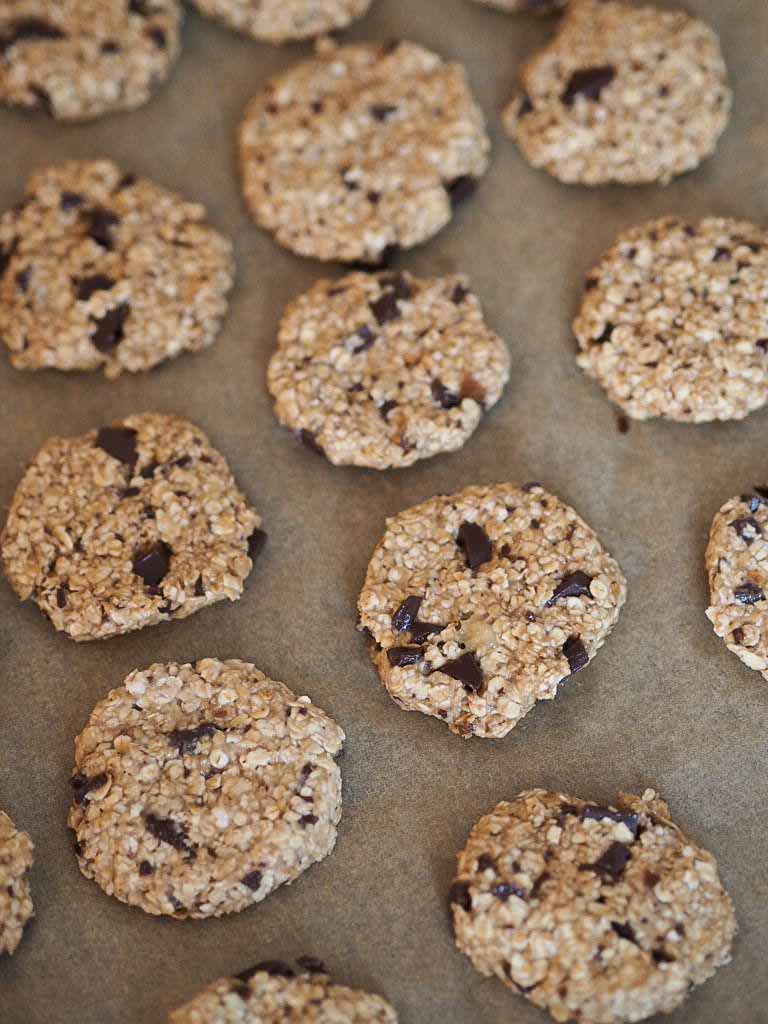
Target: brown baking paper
(664,704)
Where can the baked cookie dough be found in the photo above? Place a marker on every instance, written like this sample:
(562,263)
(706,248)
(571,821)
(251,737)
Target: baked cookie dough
(384,369)
(622,94)
(127,526)
(525,6)
(15,898)
(278,21)
(199,789)
(479,604)
(600,914)
(100,269)
(362,149)
(272,992)
(77,59)
(674,320)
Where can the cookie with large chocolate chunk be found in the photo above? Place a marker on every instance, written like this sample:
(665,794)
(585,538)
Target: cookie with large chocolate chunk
(127,526)
(362,149)
(606,914)
(15,899)
(622,94)
(278,21)
(199,789)
(481,603)
(100,269)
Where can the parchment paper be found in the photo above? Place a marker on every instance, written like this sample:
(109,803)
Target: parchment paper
(663,705)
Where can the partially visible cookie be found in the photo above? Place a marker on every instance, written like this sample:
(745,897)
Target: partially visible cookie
(278,21)
(100,269)
(526,6)
(199,789)
(384,369)
(127,526)
(15,899)
(601,914)
(361,149)
(622,94)
(674,320)
(77,59)
(272,993)
(481,603)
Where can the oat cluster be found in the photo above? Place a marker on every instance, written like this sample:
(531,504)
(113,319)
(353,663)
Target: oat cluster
(15,899)
(278,21)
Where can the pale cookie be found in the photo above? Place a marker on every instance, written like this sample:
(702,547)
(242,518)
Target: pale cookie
(273,993)
(278,21)
(481,603)
(199,789)
(127,526)
(674,320)
(525,6)
(104,270)
(623,94)
(77,59)
(362,149)
(599,914)
(15,898)
(384,369)
(737,566)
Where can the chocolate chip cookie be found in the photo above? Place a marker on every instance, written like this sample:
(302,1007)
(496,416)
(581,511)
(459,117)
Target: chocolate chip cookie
(481,603)
(133,524)
(384,369)
(278,21)
(605,914)
(622,94)
(78,59)
(15,898)
(363,148)
(674,320)
(100,269)
(199,789)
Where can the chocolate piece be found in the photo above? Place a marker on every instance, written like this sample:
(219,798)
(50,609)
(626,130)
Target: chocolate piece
(367,338)
(625,931)
(400,657)
(610,866)
(385,308)
(119,442)
(152,563)
(597,813)
(110,329)
(421,631)
(576,653)
(406,613)
(475,543)
(576,584)
(467,670)
(460,895)
(187,741)
(88,286)
(589,83)
(748,593)
(83,784)
(100,224)
(28,28)
(747,528)
(445,398)
(169,831)
(253,880)
(381,111)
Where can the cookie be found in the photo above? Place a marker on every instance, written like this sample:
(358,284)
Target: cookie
(622,94)
(525,6)
(199,789)
(600,914)
(737,566)
(362,149)
(481,603)
(674,320)
(278,21)
(127,526)
(15,898)
(384,369)
(100,269)
(272,992)
(78,59)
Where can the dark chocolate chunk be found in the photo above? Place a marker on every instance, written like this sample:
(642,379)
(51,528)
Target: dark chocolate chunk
(458,294)
(158,37)
(100,224)
(87,286)
(596,813)
(576,584)
(109,46)
(526,106)
(311,965)
(23,278)
(367,338)
(28,28)
(70,201)
(110,329)
(83,784)
(385,308)
(406,613)
(443,396)
(399,657)
(152,563)
(748,593)
(169,831)
(186,741)
(381,111)
(605,336)
(386,408)
(651,878)
(309,440)
(460,895)
(504,890)
(421,631)
(610,866)
(256,543)
(5,255)
(738,635)
(126,181)
(199,587)
(61,597)
(119,442)
(308,819)
(253,880)
(747,528)
(721,254)
(589,83)
(660,956)
(145,868)
(625,930)
(399,284)
(486,863)
(576,653)
(139,7)
(475,543)
(467,670)
(539,884)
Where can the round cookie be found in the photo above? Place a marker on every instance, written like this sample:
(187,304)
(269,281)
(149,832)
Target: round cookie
(605,914)
(525,6)
(102,269)
(622,94)
(384,369)
(127,526)
(15,899)
(362,149)
(77,59)
(278,21)
(199,789)
(737,566)
(674,320)
(272,993)
(481,603)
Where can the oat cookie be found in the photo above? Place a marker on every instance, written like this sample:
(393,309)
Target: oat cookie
(362,149)
(278,21)
(99,269)
(127,526)
(77,59)
(272,992)
(674,320)
(479,604)
(623,94)
(199,789)
(599,914)
(384,369)
(15,898)
(526,6)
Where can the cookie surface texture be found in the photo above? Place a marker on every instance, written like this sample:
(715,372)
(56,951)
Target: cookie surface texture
(15,899)
(278,21)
